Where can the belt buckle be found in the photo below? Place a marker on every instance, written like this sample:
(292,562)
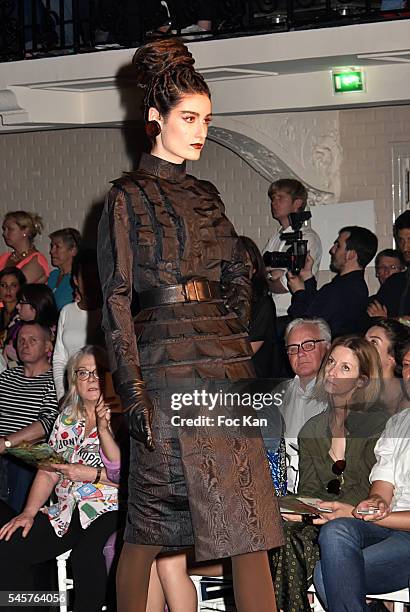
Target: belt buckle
(197,291)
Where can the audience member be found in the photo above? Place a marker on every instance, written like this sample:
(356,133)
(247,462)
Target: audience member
(393,297)
(11,281)
(369,552)
(28,408)
(262,327)
(336,456)
(352,251)
(387,263)
(19,230)
(288,196)
(389,336)
(80,321)
(35,302)
(86,511)
(307,341)
(63,247)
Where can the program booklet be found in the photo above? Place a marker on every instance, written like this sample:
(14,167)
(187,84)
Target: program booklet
(36,454)
(291,504)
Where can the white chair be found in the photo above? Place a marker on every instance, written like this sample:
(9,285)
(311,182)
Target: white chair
(399,598)
(64,583)
(213,587)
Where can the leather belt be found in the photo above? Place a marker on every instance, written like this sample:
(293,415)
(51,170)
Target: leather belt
(200,290)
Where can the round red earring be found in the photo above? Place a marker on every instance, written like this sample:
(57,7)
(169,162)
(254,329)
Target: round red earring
(152,129)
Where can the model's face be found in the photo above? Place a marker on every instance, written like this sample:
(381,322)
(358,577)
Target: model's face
(403,242)
(387,266)
(61,254)
(378,337)
(183,130)
(12,233)
(9,287)
(306,364)
(341,372)
(282,205)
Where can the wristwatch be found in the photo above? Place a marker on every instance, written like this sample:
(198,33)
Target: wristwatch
(97,478)
(7,442)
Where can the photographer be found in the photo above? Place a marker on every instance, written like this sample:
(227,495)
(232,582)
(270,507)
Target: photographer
(288,196)
(343,301)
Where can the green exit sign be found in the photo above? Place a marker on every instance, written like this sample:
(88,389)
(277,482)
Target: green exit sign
(349,79)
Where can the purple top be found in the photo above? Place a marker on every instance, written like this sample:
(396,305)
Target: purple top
(111,467)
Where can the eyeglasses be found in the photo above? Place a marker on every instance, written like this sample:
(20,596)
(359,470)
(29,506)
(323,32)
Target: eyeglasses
(334,486)
(307,346)
(86,374)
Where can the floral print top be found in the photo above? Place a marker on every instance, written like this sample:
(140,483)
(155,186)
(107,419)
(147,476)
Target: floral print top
(68,439)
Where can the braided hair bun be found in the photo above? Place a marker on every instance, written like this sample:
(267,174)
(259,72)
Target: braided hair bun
(165,68)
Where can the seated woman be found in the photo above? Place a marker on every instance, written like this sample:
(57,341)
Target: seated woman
(369,552)
(335,459)
(19,230)
(11,281)
(34,303)
(388,336)
(86,512)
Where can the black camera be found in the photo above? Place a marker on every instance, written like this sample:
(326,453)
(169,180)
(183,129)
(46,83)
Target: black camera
(295,256)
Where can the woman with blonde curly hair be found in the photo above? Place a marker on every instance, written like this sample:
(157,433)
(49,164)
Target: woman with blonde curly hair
(19,230)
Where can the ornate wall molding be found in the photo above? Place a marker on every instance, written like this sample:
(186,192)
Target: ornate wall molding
(305,146)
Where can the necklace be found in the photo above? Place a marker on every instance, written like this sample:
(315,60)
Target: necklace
(20,256)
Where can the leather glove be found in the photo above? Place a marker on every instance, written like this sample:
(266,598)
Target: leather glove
(138,406)
(233,301)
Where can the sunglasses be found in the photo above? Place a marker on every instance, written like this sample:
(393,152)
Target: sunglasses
(334,486)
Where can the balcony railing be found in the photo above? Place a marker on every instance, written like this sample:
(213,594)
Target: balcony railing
(38,28)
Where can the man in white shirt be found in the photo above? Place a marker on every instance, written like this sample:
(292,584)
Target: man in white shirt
(307,341)
(288,196)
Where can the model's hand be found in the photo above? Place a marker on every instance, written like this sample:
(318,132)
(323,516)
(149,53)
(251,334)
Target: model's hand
(295,282)
(375,309)
(23,521)
(140,411)
(338,510)
(374,508)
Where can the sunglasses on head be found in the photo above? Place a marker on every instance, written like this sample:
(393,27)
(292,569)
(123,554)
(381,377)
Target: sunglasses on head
(334,486)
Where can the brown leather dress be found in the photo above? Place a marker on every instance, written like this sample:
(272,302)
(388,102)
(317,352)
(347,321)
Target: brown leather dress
(204,487)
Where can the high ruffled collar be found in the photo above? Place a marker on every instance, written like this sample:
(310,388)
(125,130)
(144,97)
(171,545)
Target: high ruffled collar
(161,168)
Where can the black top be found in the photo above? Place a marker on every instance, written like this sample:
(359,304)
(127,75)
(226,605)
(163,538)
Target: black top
(395,294)
(263,327)
(342,303)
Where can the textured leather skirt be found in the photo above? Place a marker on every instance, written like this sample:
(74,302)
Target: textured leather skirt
(205,485)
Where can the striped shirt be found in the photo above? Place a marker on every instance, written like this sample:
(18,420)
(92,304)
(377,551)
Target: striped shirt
(25,399)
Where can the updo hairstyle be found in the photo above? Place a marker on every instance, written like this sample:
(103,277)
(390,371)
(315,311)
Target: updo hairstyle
(31,223)
(165,69)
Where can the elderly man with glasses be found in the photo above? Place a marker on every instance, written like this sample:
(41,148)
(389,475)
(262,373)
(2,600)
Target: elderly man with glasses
(307,341)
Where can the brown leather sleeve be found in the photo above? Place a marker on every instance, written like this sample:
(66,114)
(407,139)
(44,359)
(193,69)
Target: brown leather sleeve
(235,281)
(115,260)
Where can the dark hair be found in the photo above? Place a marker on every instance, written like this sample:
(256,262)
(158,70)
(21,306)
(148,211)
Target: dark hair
(259,281)
(390,253)
(402,222)
(69,235)
(41,298)
(400,351)
(13,271)
(293,187)
(165,68)
(85,259)
(397,334)
(362,241)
